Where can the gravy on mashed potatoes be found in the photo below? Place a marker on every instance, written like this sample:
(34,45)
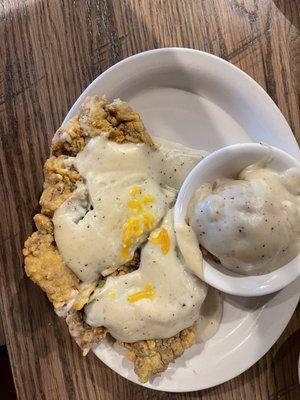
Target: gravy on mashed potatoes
(251,224)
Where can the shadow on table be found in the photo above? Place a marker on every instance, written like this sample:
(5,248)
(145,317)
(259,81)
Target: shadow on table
(7,388)
(290,10)
(285,367)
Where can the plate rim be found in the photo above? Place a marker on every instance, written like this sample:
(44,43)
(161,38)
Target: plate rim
(173,50)
(232,375)
(286,292)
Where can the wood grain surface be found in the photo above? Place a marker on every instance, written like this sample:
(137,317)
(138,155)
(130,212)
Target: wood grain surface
(50,51)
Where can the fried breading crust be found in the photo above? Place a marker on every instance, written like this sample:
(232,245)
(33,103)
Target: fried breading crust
(85,335)
(60,182)
(129,127)
(44,265)
(154,356)
(116,120)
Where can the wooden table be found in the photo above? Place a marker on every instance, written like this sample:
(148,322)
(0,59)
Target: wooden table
(50,51)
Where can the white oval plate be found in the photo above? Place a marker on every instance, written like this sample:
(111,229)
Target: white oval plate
(202,101)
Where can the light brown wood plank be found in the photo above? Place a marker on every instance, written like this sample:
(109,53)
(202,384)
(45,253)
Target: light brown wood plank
(50,51)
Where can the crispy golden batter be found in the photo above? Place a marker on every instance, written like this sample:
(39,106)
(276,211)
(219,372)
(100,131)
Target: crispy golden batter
(117,120)
(69,139)
(154,356)
(93,116)
(96,116)
(60,182)
(85,336)
(44,265)
(43,224)
(130,128)
(83,297)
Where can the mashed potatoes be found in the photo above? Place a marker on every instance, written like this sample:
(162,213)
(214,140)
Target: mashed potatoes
(252,224)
